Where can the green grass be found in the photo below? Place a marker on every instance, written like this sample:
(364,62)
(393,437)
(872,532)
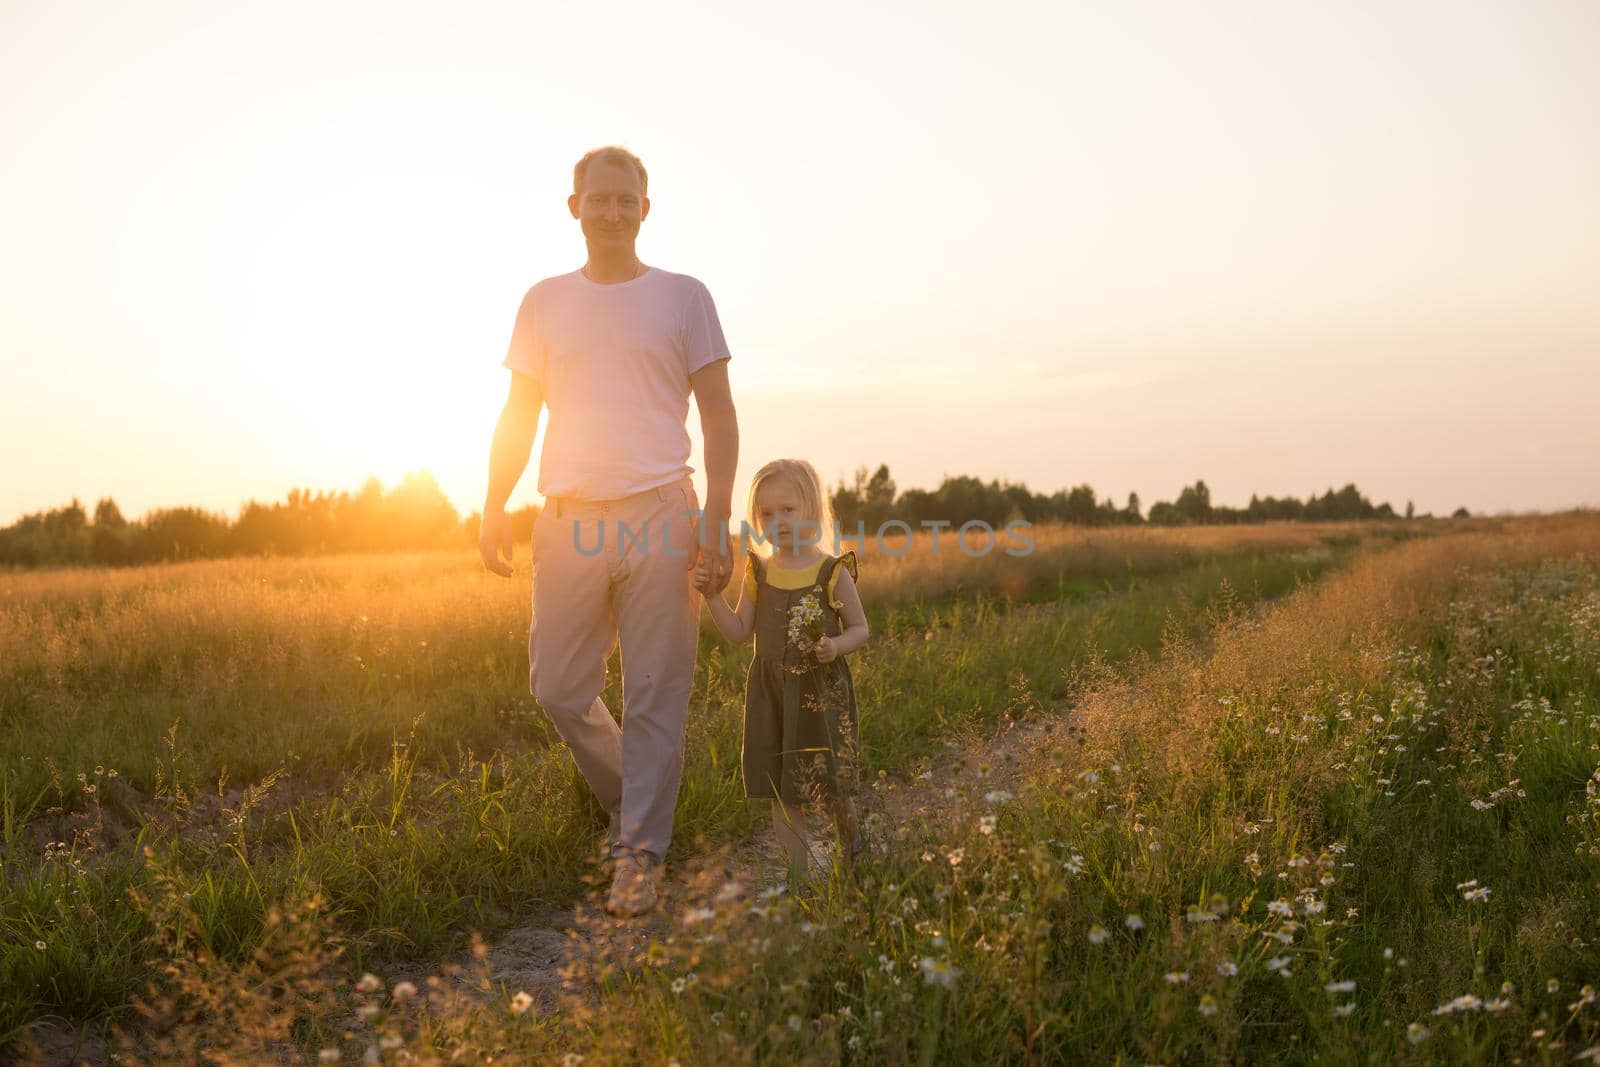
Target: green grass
(1292,818)
(469,819)
(1302,806)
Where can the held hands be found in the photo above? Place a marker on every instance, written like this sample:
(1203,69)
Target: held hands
(703,571)
(713,555)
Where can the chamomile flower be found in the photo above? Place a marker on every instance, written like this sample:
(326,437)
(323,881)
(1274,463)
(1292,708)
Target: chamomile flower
(938,972)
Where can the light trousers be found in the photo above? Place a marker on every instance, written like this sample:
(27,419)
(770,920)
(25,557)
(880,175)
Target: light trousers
(604,570)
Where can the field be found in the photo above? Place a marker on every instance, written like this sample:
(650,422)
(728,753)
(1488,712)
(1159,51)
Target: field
(1227,794)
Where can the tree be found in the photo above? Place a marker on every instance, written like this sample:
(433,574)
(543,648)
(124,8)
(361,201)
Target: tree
(1165,514)
(111,544)
(1081,505)
(181,533)
(107,514)
(869,501)
(1194,503)
(419,513)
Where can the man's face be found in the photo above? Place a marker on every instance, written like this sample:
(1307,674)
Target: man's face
(611,205)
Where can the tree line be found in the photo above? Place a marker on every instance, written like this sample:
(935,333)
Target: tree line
(416,515)
(872,499)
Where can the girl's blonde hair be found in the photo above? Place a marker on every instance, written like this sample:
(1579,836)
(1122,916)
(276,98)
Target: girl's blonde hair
(813,498)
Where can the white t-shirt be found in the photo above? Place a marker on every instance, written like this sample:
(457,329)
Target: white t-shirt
(614,362)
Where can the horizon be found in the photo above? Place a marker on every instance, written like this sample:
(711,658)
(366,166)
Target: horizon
(1273,248)
(465,513)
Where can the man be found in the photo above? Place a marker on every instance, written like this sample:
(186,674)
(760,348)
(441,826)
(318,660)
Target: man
(614,350)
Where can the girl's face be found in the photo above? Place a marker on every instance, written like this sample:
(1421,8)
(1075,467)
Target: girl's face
(781,515)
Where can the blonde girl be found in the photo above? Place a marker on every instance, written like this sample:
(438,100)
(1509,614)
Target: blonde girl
(800,605)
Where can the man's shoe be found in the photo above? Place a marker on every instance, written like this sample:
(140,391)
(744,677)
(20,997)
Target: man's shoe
(633,885)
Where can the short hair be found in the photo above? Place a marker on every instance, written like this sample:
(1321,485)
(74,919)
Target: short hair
(611,154)
(813,498)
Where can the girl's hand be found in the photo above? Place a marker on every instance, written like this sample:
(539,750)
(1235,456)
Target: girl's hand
(825,650)
(702,575)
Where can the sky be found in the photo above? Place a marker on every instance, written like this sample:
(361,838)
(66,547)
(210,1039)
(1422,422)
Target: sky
(1277,246)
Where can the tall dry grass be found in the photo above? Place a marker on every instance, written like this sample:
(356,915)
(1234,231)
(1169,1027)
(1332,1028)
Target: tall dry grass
(1270,846)
(1347,626)
(928,566)
(325,666)
(252,654)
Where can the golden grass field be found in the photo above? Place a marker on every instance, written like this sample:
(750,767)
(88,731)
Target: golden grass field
(1203,795)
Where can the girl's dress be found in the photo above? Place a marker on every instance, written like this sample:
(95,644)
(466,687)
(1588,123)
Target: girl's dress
(800,719)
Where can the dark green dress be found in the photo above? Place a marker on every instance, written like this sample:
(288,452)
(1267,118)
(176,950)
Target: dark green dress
(800,720)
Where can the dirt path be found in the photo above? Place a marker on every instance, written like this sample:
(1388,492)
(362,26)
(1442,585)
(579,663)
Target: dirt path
(550,956)
(967,777)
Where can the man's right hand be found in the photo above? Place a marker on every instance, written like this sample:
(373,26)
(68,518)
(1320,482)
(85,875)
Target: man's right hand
(494,541)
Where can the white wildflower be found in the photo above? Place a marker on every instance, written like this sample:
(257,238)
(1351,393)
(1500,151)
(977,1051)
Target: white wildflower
(938,972)
(1465,1002)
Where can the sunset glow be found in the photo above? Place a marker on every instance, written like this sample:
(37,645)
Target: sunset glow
(250,247)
